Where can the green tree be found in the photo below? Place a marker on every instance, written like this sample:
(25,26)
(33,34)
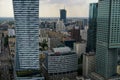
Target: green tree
(44,45)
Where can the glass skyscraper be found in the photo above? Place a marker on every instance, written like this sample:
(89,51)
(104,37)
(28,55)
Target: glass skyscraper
(108,37)
(26,13)
(91,38)
(63,15)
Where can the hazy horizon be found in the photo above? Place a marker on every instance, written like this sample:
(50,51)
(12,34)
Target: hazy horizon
(50,8)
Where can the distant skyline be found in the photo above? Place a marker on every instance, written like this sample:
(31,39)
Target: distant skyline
(51,8)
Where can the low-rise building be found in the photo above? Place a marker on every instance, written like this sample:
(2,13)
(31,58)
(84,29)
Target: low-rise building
(11,32)
(43,35)
(11,42)
(61,63)
(80,48)
(53,42)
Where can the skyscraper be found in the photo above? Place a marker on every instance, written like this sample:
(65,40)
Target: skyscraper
(26,13)
(63,15)
(75,34)
(91,34)
(108,37)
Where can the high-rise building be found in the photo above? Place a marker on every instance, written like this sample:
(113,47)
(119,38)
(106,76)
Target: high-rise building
(91,33)
(63,15)
(108,38)
(75,34)
(26,13)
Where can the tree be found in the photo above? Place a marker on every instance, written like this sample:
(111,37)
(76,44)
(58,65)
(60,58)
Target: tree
(44,45)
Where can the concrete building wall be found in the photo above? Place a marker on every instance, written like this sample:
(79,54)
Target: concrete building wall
(88,64)
(80,48)
(62,63)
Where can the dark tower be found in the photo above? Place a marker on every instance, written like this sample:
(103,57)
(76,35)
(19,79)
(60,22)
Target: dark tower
(91,34)
(63,15)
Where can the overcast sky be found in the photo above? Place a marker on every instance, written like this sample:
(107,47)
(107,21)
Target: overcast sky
(50,8)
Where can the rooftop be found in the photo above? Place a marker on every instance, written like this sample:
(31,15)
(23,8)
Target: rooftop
(90,54)
(61,49)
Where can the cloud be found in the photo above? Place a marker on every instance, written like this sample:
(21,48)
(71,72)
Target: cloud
(50,8)
(6,8)
(65,2)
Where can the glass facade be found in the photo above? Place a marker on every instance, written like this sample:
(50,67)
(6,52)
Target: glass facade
(63,15)
(115,25)
(107,37)
(91,38)
(26,13)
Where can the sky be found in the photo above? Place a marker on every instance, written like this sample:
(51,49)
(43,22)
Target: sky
(51,8)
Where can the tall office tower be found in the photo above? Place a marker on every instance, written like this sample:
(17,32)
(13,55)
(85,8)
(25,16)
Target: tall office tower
(63,15)
(75,34)
(26,13)
(108,37)
(91,33)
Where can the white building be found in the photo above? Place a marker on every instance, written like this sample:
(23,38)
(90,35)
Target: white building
(84,33)
(80,48)
(11,32)
(43,35)
(60,26)
(62,63)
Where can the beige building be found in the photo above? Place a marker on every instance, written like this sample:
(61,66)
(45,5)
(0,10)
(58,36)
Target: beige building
(80,48)
(88,64)
(11,42)
(118,69)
